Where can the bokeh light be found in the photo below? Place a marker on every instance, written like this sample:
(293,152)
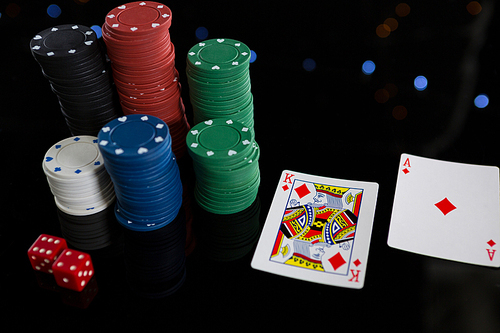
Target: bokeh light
(54,11)
(368,67)
(382,95)
(420,83)
(392,89)
(392,23)
(474,7)
(481,101)
(253,56)
(98,30)
(12,10)
(201,33)
(383,30)
(402,9)
(309,64)
(399,112)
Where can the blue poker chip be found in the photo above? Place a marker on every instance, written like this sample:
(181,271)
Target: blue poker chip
(148,173)
(137,150)
(148,184)
(133,136)
(144,224)
(151,205)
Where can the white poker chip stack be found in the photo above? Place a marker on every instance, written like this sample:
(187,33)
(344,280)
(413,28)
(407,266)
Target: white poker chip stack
(83,191)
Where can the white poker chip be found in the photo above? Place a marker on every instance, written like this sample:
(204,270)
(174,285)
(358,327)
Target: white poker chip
(75,172)
(74,157)
(85,210)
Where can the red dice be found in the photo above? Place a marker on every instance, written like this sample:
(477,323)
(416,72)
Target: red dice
(73,269)
(45,251)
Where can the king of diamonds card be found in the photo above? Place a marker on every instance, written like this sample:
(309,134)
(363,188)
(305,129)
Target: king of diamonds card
(318,229)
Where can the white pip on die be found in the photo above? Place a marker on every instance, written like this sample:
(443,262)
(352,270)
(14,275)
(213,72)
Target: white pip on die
(73,269)
(44,251)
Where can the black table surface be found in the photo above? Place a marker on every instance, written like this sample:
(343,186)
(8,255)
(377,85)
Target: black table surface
(324,122)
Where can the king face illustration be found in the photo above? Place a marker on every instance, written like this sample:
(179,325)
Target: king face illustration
(314,230)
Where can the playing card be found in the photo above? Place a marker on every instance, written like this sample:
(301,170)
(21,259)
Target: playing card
(318,229)
(447,210)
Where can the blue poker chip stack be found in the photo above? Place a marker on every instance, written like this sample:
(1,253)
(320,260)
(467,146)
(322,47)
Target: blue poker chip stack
(137,150)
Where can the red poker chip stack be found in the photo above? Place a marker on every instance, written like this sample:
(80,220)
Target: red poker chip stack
(142,58)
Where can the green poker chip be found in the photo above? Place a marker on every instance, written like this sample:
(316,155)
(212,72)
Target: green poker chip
(220,55)
(219,80)
(219,140)
(226,165)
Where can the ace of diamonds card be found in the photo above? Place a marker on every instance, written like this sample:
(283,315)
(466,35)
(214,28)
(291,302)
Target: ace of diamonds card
(318,229)
(447,210)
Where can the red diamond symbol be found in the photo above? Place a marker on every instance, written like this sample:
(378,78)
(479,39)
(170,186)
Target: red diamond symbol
(356,262)
(406,171)
(491,242)
(336,261)
(285,188)
(302,191)
(445,206)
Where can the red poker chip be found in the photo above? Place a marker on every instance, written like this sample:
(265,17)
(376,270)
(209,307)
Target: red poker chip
(142,97)
(133,53)
(139,18)
(117,40)
(170,102)
(147,98)
(143,63)
(126,68)
(143,88)
(148,65)
(143,81)
(134,48)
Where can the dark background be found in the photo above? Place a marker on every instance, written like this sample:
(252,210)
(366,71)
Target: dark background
(325,122)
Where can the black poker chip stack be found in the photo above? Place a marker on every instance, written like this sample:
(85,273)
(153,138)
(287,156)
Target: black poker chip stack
(72,60)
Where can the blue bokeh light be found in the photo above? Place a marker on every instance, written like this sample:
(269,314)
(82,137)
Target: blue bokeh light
(201,33)
(253,56)
(481,101)
(54,11)
(309,64)
(420,83)
(368,67)
(98,30)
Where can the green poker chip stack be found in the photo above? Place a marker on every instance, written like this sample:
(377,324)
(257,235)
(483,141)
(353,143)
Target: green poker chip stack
(225,161)
(219,81)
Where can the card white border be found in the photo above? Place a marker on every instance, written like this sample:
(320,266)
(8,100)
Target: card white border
(260,260)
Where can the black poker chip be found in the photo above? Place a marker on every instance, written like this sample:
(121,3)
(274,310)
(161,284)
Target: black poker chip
(72,60)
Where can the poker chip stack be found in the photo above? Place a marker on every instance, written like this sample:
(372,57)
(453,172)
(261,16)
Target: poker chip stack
(83,192)
(225,161)
(73,62)
(219,81)
(142,58)
(138,153)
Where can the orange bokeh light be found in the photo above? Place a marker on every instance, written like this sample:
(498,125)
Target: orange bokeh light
(383,30)
(382,96)
(392,23)
(474,7)
(399,112)
(402,9)
(12,10)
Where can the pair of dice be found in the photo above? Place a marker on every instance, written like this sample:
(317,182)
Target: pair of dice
(71,269)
